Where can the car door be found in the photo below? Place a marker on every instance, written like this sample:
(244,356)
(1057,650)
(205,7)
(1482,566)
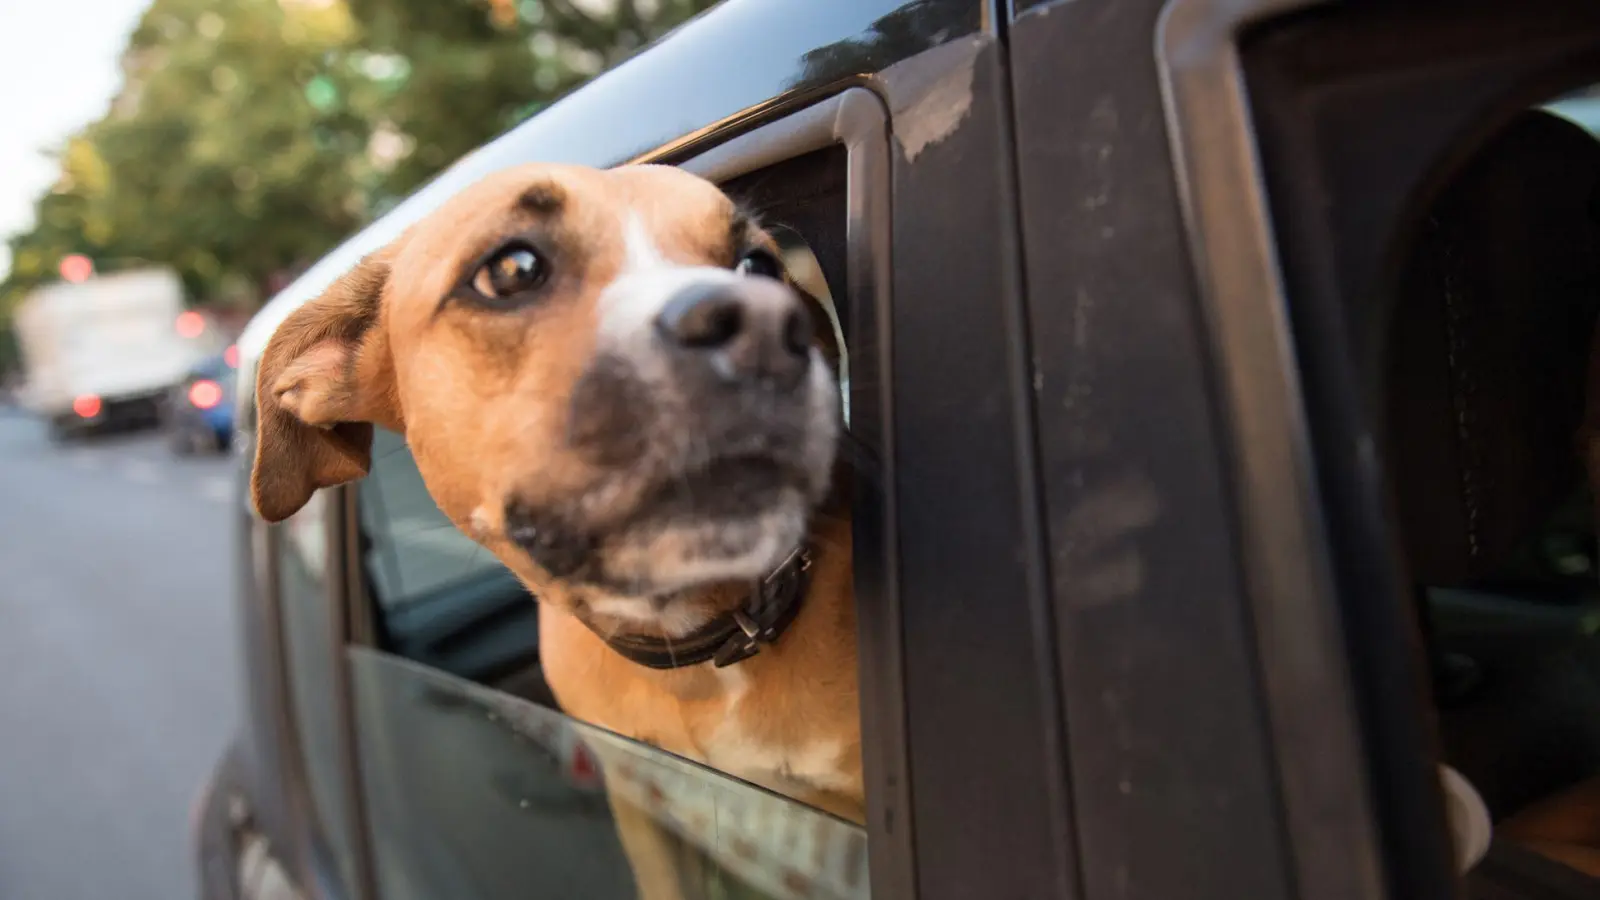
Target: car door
(1309,286)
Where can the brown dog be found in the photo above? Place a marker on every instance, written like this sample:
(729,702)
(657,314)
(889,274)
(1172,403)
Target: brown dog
(606,381)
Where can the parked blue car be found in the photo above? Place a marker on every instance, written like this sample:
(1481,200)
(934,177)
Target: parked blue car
(199,413)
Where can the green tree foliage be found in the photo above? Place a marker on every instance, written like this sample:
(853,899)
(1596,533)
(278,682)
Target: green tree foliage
(473,69)
(251,135)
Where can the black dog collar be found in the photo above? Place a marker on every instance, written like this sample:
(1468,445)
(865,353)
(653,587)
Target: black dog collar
(736,636)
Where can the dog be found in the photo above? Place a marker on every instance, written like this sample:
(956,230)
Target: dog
(608,381)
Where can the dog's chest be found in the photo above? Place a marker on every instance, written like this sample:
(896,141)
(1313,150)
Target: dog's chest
(734,749)
(741,742)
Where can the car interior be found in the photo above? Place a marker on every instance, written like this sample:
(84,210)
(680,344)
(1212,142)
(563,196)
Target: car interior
(1485,388)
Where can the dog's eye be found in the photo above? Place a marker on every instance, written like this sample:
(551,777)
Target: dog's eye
(512,270)
(759,262)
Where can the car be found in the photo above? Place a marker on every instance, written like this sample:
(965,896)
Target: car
(199,410)
(101,353)
(1214,376)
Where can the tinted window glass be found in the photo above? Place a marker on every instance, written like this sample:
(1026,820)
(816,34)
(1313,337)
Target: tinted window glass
(474,794)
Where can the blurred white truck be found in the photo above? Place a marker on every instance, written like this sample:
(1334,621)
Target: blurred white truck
(106,349)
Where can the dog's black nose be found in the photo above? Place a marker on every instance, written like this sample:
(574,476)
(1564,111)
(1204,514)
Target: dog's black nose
(750,331)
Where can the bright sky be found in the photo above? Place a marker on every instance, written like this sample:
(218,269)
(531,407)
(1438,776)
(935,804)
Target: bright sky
(58,70)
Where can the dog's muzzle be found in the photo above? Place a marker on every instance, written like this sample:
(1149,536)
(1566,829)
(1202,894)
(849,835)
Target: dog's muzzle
(722,367)
(709,428)
(754,332)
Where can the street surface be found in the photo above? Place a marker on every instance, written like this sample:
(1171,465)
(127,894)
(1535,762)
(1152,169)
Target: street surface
(118,673)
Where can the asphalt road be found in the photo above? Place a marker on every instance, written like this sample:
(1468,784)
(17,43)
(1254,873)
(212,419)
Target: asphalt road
(118,671)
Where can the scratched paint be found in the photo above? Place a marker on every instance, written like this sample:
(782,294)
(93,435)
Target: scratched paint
(932,93)
(1101,561)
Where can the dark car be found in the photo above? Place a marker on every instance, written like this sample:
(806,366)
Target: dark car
(1215,368)
(199,410)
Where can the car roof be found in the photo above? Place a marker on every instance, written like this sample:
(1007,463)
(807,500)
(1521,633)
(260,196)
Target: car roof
(732,59)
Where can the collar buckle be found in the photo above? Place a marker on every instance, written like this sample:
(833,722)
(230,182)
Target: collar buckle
(744,643)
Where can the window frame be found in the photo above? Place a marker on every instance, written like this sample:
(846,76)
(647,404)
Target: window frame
(1325,785)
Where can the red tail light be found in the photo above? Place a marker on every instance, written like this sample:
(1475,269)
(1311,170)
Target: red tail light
(86,406)
(231,356)
(205,394)
(190,324)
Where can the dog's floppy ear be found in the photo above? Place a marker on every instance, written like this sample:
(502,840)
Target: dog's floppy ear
(320,385)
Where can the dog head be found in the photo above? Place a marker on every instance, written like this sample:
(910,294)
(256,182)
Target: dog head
(604,378)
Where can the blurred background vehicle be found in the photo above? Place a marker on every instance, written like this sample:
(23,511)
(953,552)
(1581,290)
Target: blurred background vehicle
(101,351)
(199,410)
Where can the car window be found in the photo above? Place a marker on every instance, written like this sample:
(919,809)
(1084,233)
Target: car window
(476,784)
(474,794)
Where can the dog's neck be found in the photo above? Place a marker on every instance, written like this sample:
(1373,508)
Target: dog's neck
(723,625)
(682,615)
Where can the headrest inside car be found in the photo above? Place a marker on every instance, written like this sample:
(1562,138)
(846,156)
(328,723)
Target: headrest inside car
(1488,352)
